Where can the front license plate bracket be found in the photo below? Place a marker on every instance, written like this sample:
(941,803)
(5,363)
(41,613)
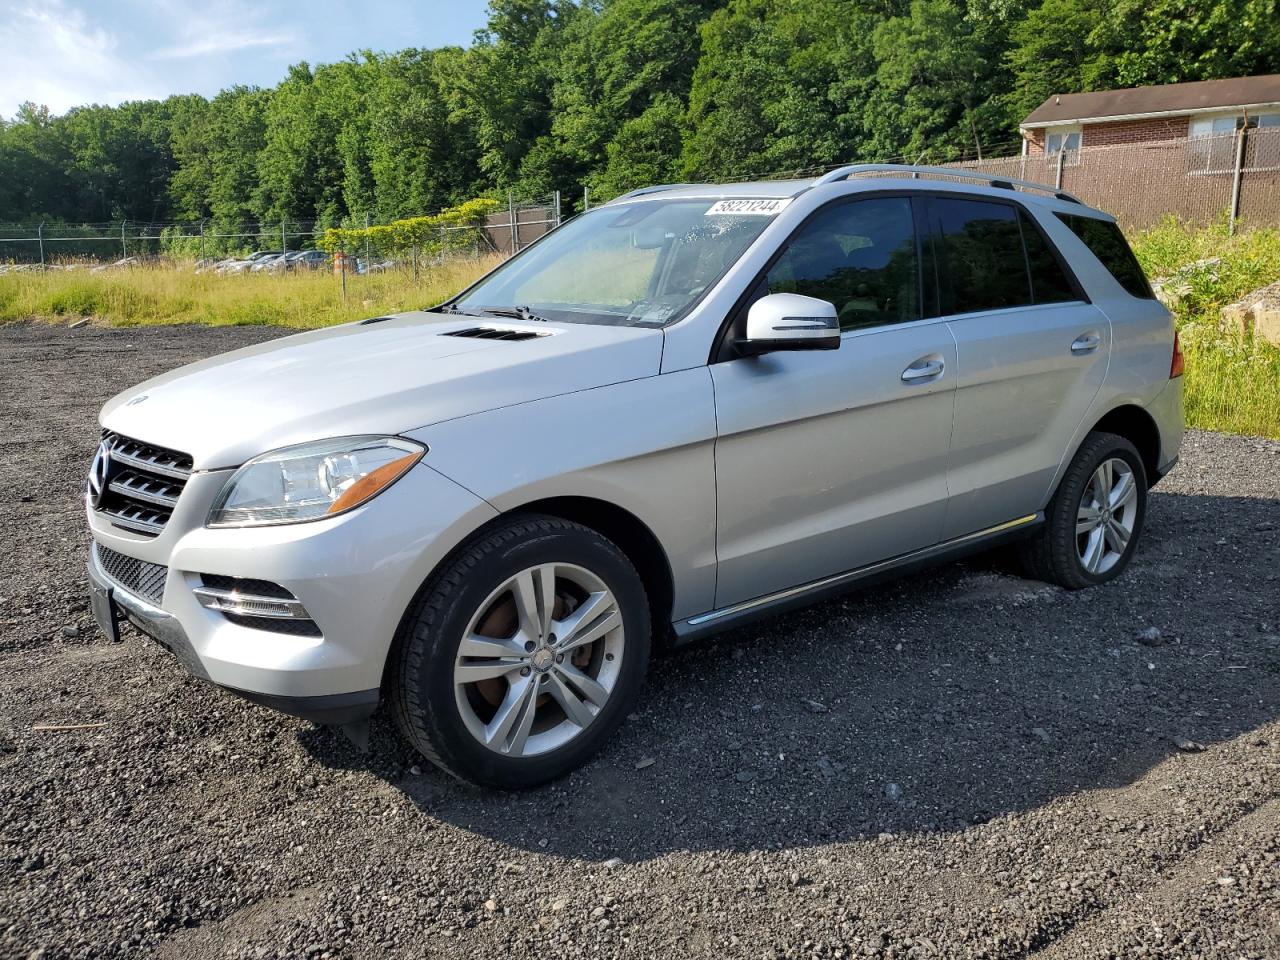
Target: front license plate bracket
(105,612)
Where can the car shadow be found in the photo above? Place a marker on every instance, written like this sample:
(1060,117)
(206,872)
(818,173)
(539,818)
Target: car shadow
(941,700)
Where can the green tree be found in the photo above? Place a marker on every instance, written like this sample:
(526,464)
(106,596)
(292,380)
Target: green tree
(423,156)
(938,75)
(1173,41)
(618,63)
(1051,52)
(779,86)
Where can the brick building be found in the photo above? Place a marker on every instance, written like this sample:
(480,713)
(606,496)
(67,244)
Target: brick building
(1207,111)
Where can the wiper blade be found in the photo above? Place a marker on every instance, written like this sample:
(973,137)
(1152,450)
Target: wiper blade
(453,311)
(515,313)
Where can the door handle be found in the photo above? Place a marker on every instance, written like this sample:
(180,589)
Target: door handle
(925,368)
(1086,342)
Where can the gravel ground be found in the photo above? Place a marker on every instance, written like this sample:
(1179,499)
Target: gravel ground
(962,763)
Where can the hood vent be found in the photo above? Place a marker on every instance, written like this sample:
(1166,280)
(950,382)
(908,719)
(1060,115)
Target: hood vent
(495,333)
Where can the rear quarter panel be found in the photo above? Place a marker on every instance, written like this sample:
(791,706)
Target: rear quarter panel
(1141,350)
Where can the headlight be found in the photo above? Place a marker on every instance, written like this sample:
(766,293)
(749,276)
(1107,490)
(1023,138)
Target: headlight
(312,480)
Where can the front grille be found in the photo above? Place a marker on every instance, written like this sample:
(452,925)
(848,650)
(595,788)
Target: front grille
(143,579)
(140,483)
(495,333)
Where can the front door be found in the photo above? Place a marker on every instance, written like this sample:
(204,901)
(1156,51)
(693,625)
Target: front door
(827,461)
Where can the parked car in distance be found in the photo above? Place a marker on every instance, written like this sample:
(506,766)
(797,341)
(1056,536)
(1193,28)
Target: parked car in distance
(247,263)
(267,263)
(685,409)
(301,260)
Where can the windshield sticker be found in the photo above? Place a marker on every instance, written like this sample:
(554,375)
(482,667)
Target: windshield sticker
(748,208)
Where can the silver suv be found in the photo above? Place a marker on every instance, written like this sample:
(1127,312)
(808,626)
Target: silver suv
(688,408)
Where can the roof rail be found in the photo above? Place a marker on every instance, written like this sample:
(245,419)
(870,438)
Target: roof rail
(657,188)
(854,169)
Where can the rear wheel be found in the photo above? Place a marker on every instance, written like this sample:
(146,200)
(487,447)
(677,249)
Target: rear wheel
(523,655)
(1093,523)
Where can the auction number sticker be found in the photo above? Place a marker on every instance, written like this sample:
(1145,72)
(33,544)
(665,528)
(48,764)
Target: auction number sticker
(748,208)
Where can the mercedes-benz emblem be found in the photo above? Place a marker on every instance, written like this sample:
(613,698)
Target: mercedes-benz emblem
(99,471)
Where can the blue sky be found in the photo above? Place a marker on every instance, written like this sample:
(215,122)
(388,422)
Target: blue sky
(67,52)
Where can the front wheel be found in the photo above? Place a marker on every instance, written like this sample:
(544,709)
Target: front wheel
(1093,522)
(523,655)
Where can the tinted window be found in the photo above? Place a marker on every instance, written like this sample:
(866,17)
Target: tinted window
(980,252)
(861,256)
(1049,282)
(1109,245)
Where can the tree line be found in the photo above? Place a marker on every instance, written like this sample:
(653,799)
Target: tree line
(613,94)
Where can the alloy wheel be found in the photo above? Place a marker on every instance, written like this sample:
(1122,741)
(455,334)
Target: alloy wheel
(539,659)
(1106,515)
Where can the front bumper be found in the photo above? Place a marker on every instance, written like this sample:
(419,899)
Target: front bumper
(166,630)
(355,574)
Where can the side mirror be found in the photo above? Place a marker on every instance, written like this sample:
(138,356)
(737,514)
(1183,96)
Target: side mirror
(788,321)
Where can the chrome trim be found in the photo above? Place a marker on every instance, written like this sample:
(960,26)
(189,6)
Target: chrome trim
(126,488)
(850,575)
(132,523)
(175,473)
(249,604)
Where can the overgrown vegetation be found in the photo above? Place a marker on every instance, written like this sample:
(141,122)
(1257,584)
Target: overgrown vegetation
(147,295)
(613,94)
(1232,383)
(457,228)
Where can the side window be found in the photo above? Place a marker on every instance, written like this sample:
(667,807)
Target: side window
(1108,244)
(1049,282)
(861,256)
(980,255)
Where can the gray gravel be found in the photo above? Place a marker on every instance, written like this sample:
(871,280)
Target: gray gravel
(962,763)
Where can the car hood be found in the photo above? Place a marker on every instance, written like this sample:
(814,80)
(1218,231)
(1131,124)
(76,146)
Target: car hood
(383,377)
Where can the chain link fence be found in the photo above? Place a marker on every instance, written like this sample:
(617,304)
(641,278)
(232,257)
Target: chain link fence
(504,232)
(1199,180)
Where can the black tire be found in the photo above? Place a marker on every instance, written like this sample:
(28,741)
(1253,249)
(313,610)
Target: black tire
(1053,553)
(421,679)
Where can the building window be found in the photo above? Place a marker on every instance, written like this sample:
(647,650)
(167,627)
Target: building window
(1064,140)
(1211,147)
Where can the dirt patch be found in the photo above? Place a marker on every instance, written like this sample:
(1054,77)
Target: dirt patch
(958,764)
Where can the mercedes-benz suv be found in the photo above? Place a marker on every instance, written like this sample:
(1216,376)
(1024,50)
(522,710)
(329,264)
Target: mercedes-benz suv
(687,408)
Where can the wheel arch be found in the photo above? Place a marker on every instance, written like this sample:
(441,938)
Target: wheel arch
(1138,427)
(632,536)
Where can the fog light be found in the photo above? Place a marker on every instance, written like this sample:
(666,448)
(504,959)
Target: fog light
(246,603)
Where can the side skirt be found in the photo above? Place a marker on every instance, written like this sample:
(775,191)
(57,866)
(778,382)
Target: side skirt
(748,611)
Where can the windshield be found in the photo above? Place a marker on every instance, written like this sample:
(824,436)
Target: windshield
(637,265)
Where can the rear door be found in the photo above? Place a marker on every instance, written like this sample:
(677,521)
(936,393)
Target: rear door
(1032,355)
(829,460)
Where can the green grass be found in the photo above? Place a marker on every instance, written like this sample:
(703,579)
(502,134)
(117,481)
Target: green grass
(147,295)
(1232,382)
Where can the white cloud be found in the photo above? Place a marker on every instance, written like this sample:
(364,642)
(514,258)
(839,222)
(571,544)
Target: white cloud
(51,54)
(228,42)
(219,27)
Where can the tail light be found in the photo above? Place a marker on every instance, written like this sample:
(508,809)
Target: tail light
(1176,365)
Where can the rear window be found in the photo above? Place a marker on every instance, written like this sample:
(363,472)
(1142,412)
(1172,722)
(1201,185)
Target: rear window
(1108,244)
